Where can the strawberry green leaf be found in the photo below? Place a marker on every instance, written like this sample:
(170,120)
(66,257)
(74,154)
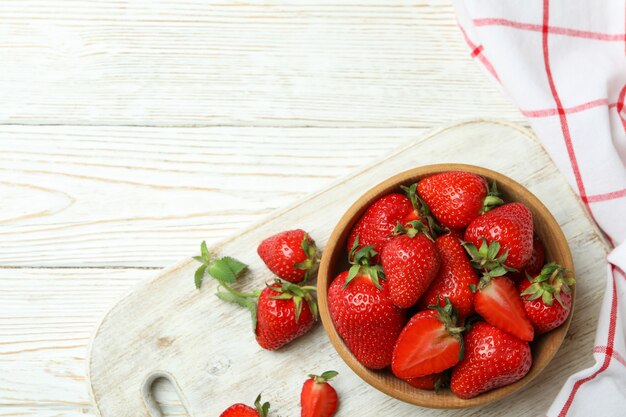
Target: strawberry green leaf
(354,271)
(199,259)
(234,265)
(199,275)
(220,270)
(204,250)
(328,375)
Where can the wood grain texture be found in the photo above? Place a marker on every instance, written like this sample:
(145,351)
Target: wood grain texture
(201,346)
(120,196)
(259,63)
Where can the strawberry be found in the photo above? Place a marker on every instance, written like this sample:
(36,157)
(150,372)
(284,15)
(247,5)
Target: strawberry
(535,264)
(290,255)
(454,279)
(539,293)
(242,410)
(280,312)
(496,298)
(493,358)
(363,312)
(456,198)
(426,382)
(318,398)
(431,342)
(512,226)
(410,261)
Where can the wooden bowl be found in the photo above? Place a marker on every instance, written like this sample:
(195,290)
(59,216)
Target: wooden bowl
(334,261)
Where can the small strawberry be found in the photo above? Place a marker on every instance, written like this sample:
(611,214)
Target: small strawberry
(431,342)
(363,312)
(290,255)
(318,398)
(539,293)
(496,298)
(427,382)
(535,264)
(242,410)
(512,226)
(280,312)
(454,280)
(456,198)
(375,228)
(411,262)
(493,358)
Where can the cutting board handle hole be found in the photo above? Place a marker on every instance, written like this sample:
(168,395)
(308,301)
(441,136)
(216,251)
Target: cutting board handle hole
(169,392)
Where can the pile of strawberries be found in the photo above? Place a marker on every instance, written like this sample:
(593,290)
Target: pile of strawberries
(466,268)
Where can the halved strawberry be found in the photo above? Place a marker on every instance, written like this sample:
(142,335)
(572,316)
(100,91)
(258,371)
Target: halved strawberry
(242,410)
(431,342)
(318,398)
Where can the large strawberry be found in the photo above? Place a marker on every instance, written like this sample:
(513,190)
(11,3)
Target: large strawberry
(456,198)
(496,298)
(290,255)
(539,293)
(363,312)
(455,278)
(535,263)
(411,262)
(318,398)
(493,358)
(431,342)
(280,312)
(242,410)
(512,226)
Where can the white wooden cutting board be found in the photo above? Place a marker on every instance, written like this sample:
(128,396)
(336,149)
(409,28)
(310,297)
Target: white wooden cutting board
(165,327)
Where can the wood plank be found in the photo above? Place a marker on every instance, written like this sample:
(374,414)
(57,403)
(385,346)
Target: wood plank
(131,196)
(205,354)
(259,63)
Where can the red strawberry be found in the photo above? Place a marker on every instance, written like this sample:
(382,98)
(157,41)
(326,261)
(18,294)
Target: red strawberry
(318,398)
(375,227)
(282,316)
(454,280)
(242,410)
(493,358)
(539,293)
(410,261)
(363,312)
(457,198)
(431,342)
(497,299)
(534,265)
(426,382)
(289,255)
(512,226)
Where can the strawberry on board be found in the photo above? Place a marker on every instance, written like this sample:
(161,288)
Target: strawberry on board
(290,255)
(281,312)
(318,398)
(493,358)
(431,342)
(455,278)
(534,264)
(411,262)
(242,410)
(511,225)
(539,294)
(496,299)
(456,198)
(362,310)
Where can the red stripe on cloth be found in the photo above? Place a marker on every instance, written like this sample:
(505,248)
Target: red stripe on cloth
(581,107)
(615,354)
(608,350)
(564,125)
(477,53)
(618,37)
(606,196)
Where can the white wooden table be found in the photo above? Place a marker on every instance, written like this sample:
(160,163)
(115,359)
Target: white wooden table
(130,130)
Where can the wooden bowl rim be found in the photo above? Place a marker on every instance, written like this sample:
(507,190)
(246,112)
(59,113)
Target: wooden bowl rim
(399,389)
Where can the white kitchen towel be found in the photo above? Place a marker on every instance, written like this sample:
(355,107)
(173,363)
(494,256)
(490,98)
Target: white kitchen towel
(563,63)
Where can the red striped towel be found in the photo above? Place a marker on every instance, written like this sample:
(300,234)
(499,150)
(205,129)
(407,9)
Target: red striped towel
(563,63)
